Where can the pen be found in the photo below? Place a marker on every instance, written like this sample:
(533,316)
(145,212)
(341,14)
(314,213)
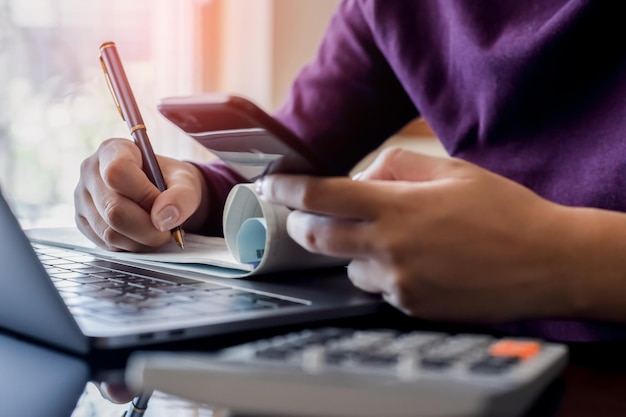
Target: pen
(127,106)
(138,405)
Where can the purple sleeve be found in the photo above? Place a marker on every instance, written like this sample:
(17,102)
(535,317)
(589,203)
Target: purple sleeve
(347,101)
(220,179)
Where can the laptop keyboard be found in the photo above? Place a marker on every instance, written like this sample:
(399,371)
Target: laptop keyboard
(107,291)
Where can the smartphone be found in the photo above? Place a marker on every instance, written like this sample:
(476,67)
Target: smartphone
(243,135)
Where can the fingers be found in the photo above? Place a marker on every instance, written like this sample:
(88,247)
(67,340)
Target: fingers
(362,199)
(86,220)
(370,275)
(117,206)
(119,167)
(183,196)
(112,221)
(335,196)
(343,238)
(114,198)
(359,271)
(121,171)
(397,164)
(123,224)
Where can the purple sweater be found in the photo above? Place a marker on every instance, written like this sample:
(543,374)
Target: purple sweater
(533,90)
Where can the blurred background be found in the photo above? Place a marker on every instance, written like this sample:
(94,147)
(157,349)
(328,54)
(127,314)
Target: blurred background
(55,107)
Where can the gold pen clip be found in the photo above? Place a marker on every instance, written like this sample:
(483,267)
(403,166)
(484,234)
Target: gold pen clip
(106,75)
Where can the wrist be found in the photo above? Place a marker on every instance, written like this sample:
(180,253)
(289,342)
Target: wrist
(545,268)
(592,263)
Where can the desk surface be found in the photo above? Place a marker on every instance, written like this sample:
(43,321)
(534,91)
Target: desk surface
(39,381)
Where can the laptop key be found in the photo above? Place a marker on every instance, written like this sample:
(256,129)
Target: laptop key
(111,275)
(145,282)
(66,284)
(72,299)
(133,297)
(178,289)
(88,269)
(83,289)
(65,273)
(112,285)
(87,279)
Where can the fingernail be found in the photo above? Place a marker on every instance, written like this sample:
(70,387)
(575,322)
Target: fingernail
(357,176)
(167,218)
(258,186)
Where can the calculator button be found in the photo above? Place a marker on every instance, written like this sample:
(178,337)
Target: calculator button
(522,349)
(494,364)
(437,363)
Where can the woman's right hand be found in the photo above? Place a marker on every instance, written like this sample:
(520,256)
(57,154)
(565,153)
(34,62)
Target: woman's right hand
(119,209)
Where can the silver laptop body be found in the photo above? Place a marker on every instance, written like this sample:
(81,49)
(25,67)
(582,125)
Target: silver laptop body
(121,305)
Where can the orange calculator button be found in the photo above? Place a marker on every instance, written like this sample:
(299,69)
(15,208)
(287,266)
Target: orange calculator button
(522,349)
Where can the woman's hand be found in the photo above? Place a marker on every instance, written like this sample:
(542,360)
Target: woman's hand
(439,238)
(118,208)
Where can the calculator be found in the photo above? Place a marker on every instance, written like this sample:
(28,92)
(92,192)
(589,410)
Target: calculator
(339,372)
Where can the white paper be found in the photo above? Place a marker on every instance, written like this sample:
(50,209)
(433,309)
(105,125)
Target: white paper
(216,256)
(281,252)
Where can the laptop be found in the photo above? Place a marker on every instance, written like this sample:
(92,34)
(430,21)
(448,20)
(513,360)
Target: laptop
(37,381)
(81,303)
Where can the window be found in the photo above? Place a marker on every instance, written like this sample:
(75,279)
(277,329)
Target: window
(55,107)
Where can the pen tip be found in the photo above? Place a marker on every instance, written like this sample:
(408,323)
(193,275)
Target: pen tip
(178,237)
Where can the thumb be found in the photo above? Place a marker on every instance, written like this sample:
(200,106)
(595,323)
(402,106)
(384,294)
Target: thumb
(173,206)
(397,164)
